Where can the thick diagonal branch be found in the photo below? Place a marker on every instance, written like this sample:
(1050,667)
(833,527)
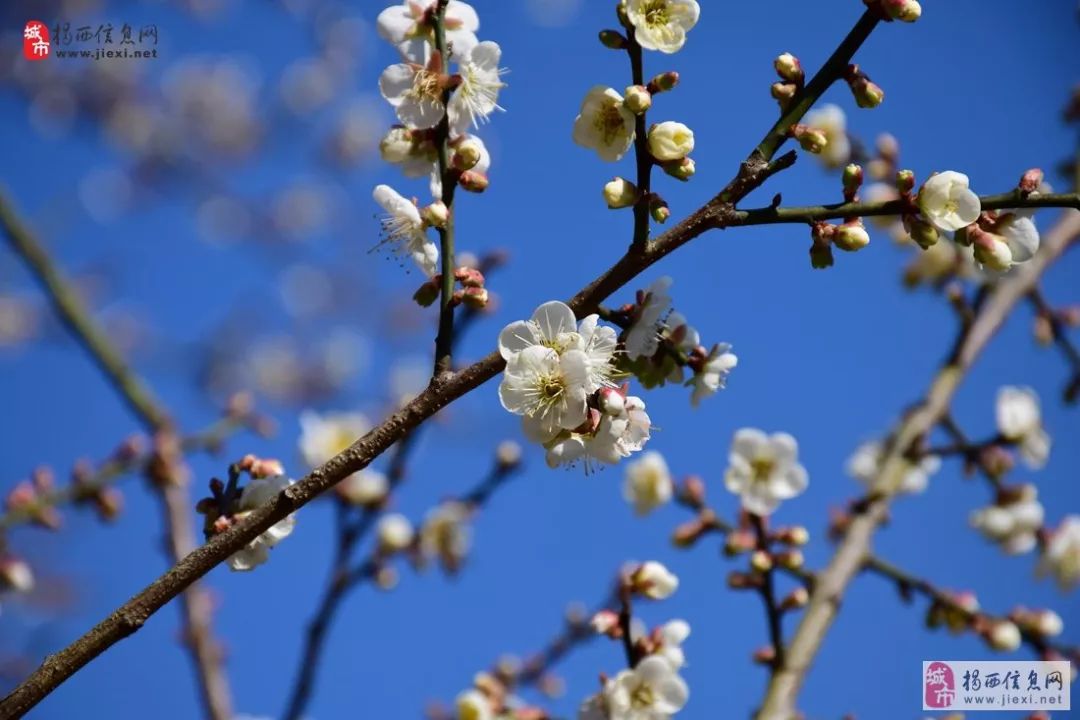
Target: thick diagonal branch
(855,547)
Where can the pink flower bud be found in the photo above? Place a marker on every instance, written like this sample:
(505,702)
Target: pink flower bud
(1031,180)
(473,181)
(902,10)
(664,82)
(606,622)
(789,68)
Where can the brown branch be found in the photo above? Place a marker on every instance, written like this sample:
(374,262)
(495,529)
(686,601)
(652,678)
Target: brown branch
(195,604)
(116,468)
(716,213)
(854,548)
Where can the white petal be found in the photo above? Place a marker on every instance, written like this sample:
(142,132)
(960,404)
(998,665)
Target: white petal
(515,337)
(748,442)
(396,81)
(553,318)
(394,22)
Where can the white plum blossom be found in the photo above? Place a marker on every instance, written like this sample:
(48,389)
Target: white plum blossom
(405,231)
(322,436)
(554,326)
(258,492)
(1004,636)
(653,690)
(670,141)
(764,469)
(621,430)
(394,533)
(865,464)
(413,151)
(648,483)
(1061,556)
(662,24)
(547,389)
(670,637)
(643,337)
(604,124)
(473,705)
(1019,420)
(831,120)
(653,580)
(445,533)
(1013,240)
(403,25)
(714,372)
(365,488)
(478,94)
(946,201)
(1014,524)
(415,92)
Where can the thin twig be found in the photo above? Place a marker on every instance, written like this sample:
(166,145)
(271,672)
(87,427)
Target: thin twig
(445,339)
(773,613)
(854,548)
(176,512)
(716,213)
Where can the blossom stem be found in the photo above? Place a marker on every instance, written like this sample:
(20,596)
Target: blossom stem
(974,454)
(833,69)
(115,468)
(1061,339)
(815,213)
(641,149)
(175,503)
(626,619)
(908,584)
(854,548)
(773,613)
(445,338)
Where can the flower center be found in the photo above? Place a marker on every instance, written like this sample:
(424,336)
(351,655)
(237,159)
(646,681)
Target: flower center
(656,12)
(609,123)
(762,468)
(427,85)
(951,206)
(642,697)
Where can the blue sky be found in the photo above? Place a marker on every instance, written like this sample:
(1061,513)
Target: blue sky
(831,357)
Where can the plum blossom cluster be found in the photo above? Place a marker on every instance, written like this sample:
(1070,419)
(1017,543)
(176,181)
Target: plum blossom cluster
(230,503)
(1019,423)
(447,84)
(660,346)
(560,378)
(865,466)
(610,122)
(1061,553)
(1013,521)
(652,688)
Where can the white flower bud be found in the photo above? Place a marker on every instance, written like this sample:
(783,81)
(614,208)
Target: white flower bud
(612,402)
(466,155)
(653,580)
(16,575)
(637,99)
(670,141)
(903,10)
(1004,636)
(436,214)
(604,621)
(851,237)
(992,251)
(620,193)
(395,533)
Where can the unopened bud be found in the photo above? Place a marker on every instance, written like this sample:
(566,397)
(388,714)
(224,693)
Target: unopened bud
(790,559)
(693,491)
(888,147)
(606,622)
(789,68)
(637,99)
(902,10)
(620,193)
(1030,181)
(466,155)
(659,210)
(664,82)
(436,214)
(473,181)
(923,233)
(905,181)
(386,578)
(612,39)
(821,256)
(428,293)
(395,533)
(469,276)
(688,533)
(508,455)
(796,536)
(783,92)
(990,250)
(16,575)
(765,655)
(1003,636)
(868,94)
(811,139)
(475,298)
(739,542)
(761,561)
(680,169)
(851,236)
(798,598)
(612,402)
(1047,623)
(742,581)
(109,503)
(852,179)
